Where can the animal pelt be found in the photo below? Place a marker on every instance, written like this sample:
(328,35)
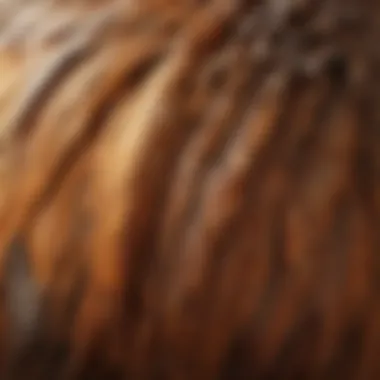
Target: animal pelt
(190,189)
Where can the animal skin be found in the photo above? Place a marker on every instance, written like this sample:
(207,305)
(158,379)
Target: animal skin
(190,190)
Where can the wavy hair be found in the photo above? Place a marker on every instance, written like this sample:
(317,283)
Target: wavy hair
(190,189)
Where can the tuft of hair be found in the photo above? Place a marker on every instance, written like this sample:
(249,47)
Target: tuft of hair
(190,189)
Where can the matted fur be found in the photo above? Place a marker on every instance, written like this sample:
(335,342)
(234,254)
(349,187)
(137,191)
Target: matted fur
(190,189)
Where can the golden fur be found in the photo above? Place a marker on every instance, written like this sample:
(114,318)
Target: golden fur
(190,189)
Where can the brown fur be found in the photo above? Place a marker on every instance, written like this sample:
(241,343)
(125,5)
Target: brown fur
(190,189)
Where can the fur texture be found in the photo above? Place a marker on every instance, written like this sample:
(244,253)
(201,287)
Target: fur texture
(190,189)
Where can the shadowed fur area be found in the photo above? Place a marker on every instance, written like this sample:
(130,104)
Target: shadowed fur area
(190,190)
